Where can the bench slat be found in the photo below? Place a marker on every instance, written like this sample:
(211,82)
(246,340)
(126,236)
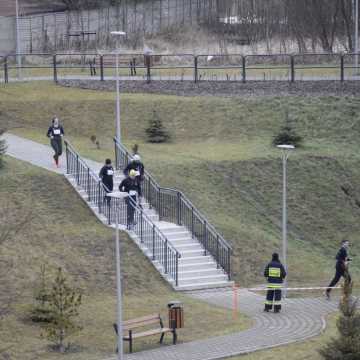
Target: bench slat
(142,321)
(148,333)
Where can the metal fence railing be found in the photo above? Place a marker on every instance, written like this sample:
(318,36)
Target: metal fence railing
(173,206)
(182,67)
(116,211)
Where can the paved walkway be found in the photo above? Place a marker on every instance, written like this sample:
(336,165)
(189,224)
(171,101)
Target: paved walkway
(300,319)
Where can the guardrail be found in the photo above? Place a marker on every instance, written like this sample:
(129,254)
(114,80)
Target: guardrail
(190,67)
(116,210)
(173,206)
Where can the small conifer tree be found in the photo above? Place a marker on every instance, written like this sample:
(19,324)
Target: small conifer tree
(287,134)
(41,311)
(64,303)
(347,345)
(3,148)
(156,132)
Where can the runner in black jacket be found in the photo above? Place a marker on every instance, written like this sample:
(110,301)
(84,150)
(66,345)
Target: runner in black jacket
(55,133)
(341,266)
(107,177)
(132,187)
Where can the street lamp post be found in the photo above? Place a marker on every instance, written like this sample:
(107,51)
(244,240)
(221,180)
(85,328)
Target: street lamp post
(120,354)
(285,155)
(356,35)
(18,55)
(118,128)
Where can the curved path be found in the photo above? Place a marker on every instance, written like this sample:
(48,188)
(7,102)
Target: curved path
(299,320)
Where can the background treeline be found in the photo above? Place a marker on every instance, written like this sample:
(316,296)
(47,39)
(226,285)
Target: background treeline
(311,25)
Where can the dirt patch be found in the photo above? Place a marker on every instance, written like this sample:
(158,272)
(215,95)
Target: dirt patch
(225,89)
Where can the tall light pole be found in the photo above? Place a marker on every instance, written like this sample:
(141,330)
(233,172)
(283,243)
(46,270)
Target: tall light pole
(18,49)
(120,354)
(356,35)
(118,128)
(285,155)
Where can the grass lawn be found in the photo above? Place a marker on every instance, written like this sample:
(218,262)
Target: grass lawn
(64,233)
(299,351)
(221,157)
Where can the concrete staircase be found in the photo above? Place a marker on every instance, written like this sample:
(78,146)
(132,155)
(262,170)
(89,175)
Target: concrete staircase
(196,270)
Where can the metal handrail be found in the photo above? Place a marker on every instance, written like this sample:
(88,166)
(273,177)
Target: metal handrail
(198,225)
(161,249)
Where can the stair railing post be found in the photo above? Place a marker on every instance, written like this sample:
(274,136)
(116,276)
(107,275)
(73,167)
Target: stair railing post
(342,67)
(77,170)
(158,204)
(192,222)
(67,157)
(205,239)
(165,256)
(177,270)
(178,207)
(229,263)
(99,200)
(141,227)
(153,242)
(88,183)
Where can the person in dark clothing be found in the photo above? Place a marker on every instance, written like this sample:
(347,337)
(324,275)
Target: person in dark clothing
(136,165)
(55,133)
(132,187)
(275,274)
(341,268)
(107,177)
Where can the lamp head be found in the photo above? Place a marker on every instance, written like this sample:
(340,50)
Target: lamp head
(118,33)
(286,147)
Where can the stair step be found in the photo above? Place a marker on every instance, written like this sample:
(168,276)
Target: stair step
(199,273)
(177,235)
(184,247)
(197,266)
(195,260)
(179,242)
(205,285)
(191,253)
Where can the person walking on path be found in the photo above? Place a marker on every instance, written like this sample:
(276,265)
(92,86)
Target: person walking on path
(341,267)
(56,133)
(275,275)
(138,166)
(132,187)
(107,177)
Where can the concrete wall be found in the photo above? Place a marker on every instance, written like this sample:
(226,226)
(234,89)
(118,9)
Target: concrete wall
(7,35)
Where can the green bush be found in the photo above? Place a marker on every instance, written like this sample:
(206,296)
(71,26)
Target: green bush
(156,132)
(287,134)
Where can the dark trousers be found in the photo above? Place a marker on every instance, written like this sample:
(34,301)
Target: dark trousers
(273,298)
(56,144)
(130,209)
(340,272)
(109,188)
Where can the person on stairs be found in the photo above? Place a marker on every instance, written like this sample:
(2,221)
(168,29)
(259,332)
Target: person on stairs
(138,166)
(132,187)
(341,267)
(275,275)
(56,133)
(107,177)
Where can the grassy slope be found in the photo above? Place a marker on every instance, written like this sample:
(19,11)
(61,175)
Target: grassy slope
(221,157)
(65,233)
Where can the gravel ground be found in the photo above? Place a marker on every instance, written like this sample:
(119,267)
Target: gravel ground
(226,89)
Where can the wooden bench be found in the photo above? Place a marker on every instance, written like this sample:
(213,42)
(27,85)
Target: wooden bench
(130,61)
(130,325)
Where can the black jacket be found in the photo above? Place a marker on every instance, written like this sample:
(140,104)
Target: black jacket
(129,184)
(55,132)
(106,175)
(275,272)
(137,166)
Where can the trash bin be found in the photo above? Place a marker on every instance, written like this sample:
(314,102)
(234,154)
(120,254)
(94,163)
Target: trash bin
(176,315)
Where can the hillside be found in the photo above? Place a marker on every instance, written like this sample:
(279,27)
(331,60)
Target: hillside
(221,157)
(64,233)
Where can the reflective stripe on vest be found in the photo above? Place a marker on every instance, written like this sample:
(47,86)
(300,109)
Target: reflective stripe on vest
(274,272)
